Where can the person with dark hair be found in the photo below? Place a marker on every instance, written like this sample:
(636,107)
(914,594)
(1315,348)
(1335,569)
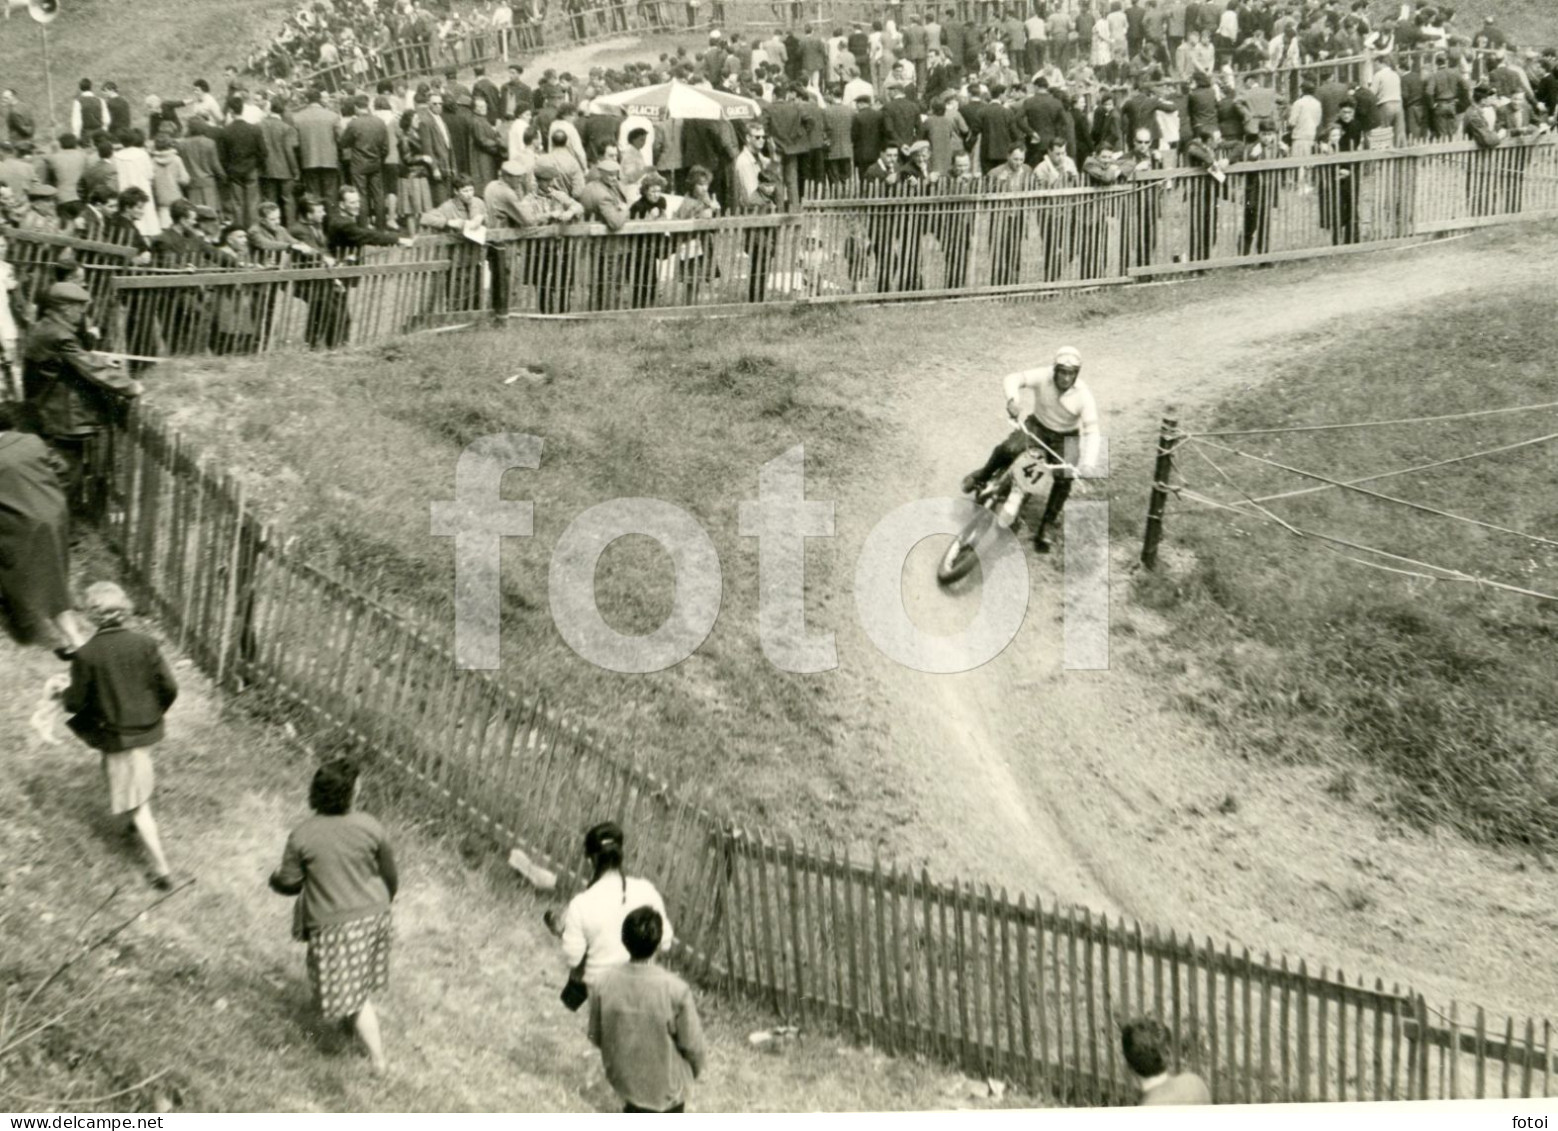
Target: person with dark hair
(318,128)
(280,171)
(88,114)
(241,147)
(365,145)
(341,863)
(645,1023)
(241,314)
(120,689)
(1148,1049)
(695,267)
(134,168)
(118,107)
(328,324)
(591,927)
(1203,192)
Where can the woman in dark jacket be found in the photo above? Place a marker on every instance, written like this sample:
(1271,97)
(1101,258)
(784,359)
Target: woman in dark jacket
(120,687)
(341,863)
(487,148)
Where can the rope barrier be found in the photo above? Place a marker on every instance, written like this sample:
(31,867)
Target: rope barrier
(1409,470)
(1226,479)
(1367,423)
(1449,574)
(1387,498)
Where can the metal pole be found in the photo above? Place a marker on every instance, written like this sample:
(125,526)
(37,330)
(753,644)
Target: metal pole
(48,78)
(1162,468)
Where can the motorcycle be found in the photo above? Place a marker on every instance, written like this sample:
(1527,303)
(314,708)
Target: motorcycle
(1000,502)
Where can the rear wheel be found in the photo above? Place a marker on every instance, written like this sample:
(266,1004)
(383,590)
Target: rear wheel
(961,557)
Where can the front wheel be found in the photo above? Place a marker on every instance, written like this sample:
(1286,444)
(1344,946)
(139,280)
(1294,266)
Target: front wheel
(961,557)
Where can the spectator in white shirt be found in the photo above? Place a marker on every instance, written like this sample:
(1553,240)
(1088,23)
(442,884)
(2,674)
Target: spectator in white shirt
(1304,119)
(1386,85)
(591,928)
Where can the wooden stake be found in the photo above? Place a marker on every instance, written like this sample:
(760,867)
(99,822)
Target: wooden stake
(1162,468)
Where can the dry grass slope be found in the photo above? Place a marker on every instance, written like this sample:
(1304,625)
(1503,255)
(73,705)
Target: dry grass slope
(1433,696)
(148,46)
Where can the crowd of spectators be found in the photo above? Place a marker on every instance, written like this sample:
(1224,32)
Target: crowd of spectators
(978,96)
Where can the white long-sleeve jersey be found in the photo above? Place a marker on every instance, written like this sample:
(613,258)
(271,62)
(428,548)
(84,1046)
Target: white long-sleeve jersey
(1072,411)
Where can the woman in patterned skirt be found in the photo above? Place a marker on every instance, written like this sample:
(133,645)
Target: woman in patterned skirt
(342,865)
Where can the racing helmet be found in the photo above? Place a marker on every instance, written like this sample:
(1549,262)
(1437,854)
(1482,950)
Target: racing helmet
(1068,357)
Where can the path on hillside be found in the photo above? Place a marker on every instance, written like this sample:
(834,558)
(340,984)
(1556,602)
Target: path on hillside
(1078,785)
(212,989)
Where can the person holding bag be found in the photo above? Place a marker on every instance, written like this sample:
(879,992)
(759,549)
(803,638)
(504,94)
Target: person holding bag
(591,927)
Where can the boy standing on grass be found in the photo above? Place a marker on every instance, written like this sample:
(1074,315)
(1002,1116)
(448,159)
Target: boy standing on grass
(644,1021)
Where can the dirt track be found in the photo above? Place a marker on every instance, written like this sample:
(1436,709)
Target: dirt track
(1077,785)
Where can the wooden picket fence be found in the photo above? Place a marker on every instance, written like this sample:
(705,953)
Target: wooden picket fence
(845,244)
(1015,990)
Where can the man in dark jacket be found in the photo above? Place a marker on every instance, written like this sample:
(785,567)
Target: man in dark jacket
(517,95)
(318,128)
(900,118)
(859,44)
(1045,119)
(1141,109)
(118,107)
(866,133)
(364,146)
(787,128)
(241,148)
(462,133)
(120,688)
(348,234)
(279,178)
(483,87)
(34,545)
(1203,105)
(69,394)
(999,132)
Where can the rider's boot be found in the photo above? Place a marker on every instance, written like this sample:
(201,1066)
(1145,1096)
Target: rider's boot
(972,482)
(1060,491)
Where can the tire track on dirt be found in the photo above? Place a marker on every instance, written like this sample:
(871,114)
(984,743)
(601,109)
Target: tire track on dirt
(1079,785)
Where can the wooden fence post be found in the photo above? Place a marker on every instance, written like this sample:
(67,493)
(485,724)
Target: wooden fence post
(1162,468)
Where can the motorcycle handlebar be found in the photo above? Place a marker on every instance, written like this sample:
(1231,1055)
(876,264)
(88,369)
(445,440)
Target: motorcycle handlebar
(1013,422)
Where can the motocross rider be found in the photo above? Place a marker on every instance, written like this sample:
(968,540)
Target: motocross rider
(1060,410)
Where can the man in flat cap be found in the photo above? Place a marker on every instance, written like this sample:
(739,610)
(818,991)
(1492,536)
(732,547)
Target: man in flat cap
(549,261)
(40,214)
(70,394)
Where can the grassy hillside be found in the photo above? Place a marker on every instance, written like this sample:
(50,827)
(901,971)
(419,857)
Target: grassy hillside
(1530,23)
(682,413)
(146,46)
(204,1002)
(347,454)
(1431,698)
